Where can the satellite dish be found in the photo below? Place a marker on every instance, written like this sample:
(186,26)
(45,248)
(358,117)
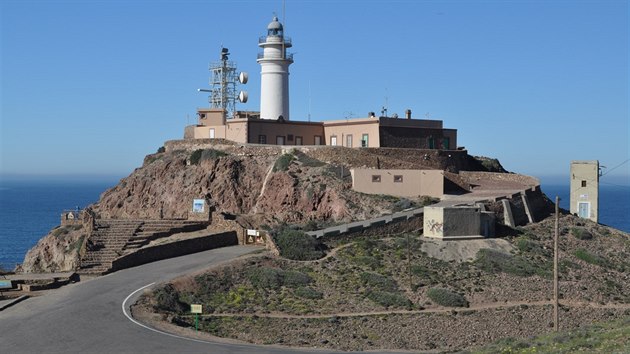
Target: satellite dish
(243,77)
(243,96)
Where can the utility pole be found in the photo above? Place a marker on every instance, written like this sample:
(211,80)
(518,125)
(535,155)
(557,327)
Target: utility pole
(409,261)
(555,272)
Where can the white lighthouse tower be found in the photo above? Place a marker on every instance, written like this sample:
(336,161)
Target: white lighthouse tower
(274,81)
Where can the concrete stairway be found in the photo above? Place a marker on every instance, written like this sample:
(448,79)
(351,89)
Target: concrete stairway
(113,238)
(106,244)
(154,229)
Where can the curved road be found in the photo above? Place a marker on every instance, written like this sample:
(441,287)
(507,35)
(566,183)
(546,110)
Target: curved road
(87,317)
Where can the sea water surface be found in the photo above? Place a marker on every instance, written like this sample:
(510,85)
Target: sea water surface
(30,209)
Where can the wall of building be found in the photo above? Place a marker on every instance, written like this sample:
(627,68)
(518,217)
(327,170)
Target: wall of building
(356,128)
(400,183)
(445,222)
(211,116)
(290,131)
(585,187)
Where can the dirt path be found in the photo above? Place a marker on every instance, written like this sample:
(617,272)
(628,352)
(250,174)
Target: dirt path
(475,307)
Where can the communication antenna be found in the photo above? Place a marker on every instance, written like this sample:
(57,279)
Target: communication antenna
(384,109)
(223,83)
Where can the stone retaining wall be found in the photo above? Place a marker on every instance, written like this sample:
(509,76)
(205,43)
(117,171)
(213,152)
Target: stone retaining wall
(175,249)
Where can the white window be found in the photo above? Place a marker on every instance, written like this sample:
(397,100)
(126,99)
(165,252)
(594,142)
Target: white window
(333,140)
(298,140)
(211,133)
(318,140)
(280,140)
(349,140)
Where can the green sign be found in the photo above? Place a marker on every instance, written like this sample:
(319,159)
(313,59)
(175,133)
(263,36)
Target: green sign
(196,309)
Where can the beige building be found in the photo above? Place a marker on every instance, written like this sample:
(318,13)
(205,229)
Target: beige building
(247,127)
(585,189)
(457,222)
(400,183)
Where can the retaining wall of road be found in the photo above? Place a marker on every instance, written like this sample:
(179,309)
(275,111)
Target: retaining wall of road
(390,224)
(175,249)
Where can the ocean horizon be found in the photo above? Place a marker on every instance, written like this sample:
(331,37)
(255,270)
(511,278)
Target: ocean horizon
(30,208)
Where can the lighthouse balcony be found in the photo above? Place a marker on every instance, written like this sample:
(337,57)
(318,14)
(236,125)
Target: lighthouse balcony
(275,39)
(287,56)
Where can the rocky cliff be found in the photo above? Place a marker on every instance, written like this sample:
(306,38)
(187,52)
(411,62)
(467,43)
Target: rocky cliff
(264,185)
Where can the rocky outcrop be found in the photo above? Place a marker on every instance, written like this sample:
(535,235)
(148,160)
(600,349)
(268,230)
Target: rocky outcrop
(59,251)
(260,184)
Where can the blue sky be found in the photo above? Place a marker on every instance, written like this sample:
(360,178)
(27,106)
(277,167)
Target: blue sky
(91,87)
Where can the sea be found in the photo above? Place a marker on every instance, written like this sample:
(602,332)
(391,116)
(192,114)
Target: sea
(29,209)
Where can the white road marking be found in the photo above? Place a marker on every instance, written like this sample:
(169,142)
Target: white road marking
(124,309)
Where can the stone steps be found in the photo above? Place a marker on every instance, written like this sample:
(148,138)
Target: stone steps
(111,238)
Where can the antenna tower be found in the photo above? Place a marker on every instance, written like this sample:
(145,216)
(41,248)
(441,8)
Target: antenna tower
(223,83)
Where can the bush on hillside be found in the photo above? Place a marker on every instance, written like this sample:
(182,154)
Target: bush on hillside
(493,261)
(308,293)
(167,298)
(588,257)
(388,299)
(283,162)
(297,245)
(445,297)
(274,278)
(581,233)
(377,281)
(265,278)
(205,154)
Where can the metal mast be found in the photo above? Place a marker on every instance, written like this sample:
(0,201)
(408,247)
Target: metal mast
(223,82)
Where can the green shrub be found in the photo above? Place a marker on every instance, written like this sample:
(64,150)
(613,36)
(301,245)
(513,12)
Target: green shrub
(161,149)
(62,230)
(425,200)
(307,160)
(283,162)
(447,298)
(212,154)
(205,154)
(402,204)
(297,245)
(76,246)
(195,157)
(368,261)
(308,293)
(587,257)
(581,233)
(379,282)
(295,279)
(388,299)
(493,261)
(274,278)
(265,278)
(167,298)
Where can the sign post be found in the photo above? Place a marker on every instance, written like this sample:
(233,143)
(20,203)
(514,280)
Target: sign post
(196,309)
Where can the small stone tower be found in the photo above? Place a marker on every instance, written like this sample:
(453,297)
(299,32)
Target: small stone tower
(585,189)
(274,81)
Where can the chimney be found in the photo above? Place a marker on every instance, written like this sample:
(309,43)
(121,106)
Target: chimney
(408,114)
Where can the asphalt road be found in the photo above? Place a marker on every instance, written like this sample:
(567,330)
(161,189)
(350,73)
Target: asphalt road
(87,317)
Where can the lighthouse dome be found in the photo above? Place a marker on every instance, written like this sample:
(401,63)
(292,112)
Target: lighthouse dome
(275,27)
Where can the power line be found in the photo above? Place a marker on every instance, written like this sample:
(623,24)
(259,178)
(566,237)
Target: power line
(612,169)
